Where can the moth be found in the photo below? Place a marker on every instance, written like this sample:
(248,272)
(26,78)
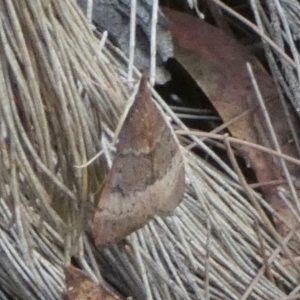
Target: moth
(147,177)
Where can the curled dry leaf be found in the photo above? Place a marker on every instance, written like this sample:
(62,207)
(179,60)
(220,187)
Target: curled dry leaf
(147,176)
(82,287)
(217,63)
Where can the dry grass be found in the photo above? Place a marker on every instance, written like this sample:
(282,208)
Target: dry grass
(61,99)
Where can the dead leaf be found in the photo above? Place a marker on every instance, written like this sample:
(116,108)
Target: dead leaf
(217,62)
(82,287)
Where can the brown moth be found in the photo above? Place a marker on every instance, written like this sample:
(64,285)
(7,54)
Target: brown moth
(147,175)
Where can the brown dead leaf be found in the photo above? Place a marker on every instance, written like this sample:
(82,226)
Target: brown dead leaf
(217,62)
(82,287)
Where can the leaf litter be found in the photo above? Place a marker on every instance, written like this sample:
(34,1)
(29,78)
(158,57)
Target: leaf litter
(214,246)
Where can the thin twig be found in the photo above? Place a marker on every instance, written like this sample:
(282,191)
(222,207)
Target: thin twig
(241,142)
(153,42)
(132,40)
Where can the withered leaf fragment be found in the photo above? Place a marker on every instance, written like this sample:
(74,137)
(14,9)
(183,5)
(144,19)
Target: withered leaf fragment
(82,287)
